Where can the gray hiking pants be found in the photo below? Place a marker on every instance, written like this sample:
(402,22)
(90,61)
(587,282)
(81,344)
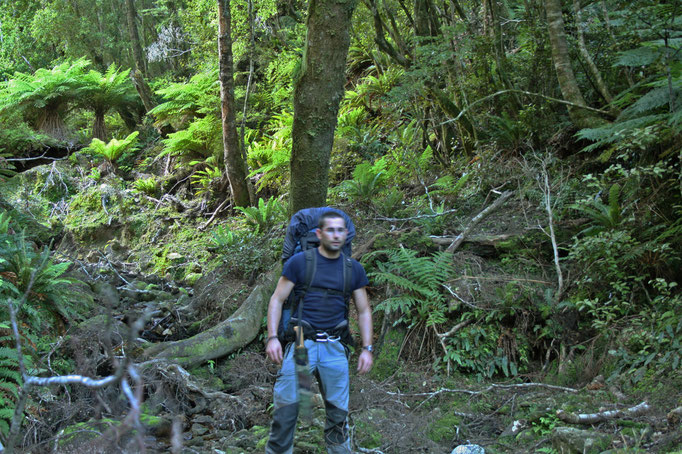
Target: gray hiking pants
(329,363)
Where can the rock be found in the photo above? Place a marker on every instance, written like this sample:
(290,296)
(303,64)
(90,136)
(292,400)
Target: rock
(568,440)
(174,256)
(107,294)
(468,449)
(198,429)
(674,417)
(514,428)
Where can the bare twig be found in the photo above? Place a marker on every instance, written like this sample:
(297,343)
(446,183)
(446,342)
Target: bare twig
(218,210)
(593,418)
(527,93)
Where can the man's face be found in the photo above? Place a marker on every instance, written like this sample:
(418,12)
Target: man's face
(333,235)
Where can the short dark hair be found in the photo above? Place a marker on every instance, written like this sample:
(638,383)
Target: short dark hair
(329,215)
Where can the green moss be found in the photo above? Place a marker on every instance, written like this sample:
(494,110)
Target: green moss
(444,428)
(386,362)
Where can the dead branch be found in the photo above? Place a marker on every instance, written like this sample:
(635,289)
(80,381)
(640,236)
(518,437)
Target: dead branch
(490,240)
(413,218)
(218,210)
(453,330)
(123,370)
(478,218)
(433,394)
(593,418)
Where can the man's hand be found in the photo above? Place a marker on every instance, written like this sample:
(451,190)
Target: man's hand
(274,350)
(365,361)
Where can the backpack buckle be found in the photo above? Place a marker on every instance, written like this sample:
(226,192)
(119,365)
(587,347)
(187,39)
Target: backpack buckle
(323,336)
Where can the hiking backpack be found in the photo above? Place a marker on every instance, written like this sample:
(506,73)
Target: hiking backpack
(300,237)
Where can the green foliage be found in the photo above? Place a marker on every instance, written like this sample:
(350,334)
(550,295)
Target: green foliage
(223,236)
(201,139)
(270,156)
(650,109)
(114,149)
(50,292)
(368,180)
(602,216)
(185,102)
(10,377)
(654,341)
(46,95)
(104,92)
(146,185)
(419,281)
(203,178)
(265,215)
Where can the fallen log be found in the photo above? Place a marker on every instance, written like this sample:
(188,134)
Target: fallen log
(593,418)
(237,331)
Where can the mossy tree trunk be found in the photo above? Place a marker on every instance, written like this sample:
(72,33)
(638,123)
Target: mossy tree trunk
(317,94)
(51,122)
(237,331)
(568,84)
(235,163)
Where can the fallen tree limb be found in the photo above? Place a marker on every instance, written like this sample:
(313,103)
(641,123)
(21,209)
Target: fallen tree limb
(593,418)
(478,218)
(488,389)
(238,330)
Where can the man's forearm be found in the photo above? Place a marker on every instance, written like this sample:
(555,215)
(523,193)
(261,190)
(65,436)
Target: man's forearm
(274,314)
(365,325)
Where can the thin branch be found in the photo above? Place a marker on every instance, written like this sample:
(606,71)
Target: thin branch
(413,218)
(218,210)
(527,93)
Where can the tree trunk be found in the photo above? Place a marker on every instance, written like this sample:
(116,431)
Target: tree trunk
(235,163)
(591,66)
(317,94)
(230,335)
(99,127)
(562,64)
(135,37)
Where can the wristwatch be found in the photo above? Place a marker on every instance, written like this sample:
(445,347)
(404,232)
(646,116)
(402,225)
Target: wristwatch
(369,348)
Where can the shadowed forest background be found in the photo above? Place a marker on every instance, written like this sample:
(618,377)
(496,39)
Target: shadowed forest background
(512,168)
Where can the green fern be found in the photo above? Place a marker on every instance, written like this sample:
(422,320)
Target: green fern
(265,215)
(51,294)
(270,155)
(367,181)
(114,149)
(603,216)
(201,139)
(197,98)
(10,378)
(420,283)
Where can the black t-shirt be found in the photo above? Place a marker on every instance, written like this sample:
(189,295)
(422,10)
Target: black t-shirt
(320,311)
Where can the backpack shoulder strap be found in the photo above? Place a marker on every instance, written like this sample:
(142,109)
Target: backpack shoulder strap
(347,280)
(310,269)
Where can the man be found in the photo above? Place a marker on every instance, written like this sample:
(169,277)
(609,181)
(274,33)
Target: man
(324,316)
